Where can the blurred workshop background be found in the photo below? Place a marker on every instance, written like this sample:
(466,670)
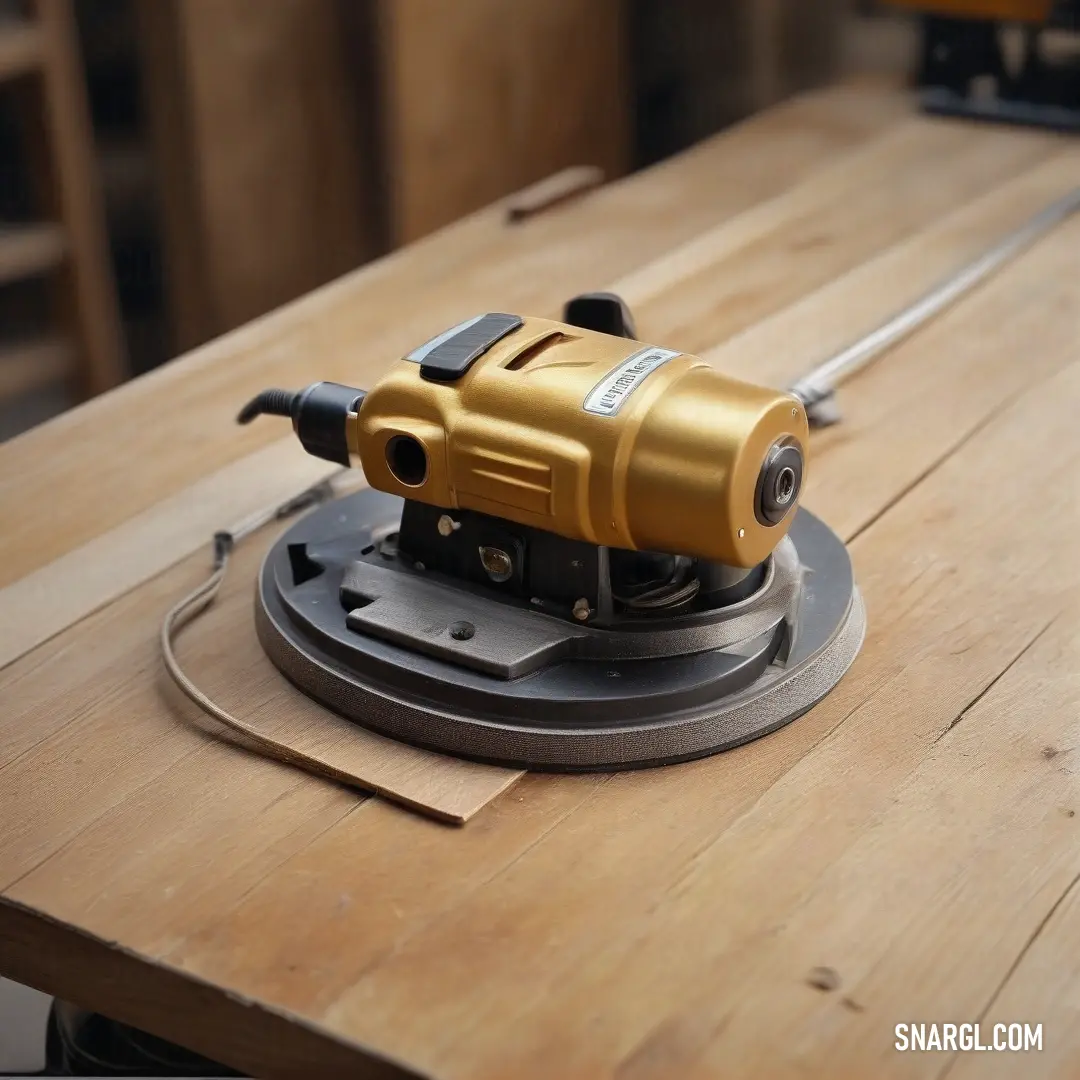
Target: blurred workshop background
(170,169)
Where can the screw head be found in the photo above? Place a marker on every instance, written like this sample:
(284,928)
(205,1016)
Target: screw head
(462,631)
(581,609)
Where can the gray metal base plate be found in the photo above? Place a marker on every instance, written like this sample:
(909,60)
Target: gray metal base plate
(532,690)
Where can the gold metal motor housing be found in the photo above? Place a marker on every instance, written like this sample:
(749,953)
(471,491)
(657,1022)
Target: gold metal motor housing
(594,437)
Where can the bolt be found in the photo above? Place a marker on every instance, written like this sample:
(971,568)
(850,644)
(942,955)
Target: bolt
(447,525)
(462,631)
(420,566)
(581,609)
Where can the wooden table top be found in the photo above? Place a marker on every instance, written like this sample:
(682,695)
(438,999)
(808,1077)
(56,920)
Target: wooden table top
(907,851)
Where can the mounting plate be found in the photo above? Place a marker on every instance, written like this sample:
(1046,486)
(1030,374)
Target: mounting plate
(420,658)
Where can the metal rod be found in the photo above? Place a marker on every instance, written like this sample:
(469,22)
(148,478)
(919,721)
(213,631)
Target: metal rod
(816,388)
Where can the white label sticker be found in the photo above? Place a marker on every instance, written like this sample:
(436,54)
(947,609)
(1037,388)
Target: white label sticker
(606,397)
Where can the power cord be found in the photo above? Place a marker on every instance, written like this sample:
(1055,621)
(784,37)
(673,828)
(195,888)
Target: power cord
(187,610)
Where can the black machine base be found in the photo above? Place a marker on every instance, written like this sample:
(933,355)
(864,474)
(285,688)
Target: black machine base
(493,674)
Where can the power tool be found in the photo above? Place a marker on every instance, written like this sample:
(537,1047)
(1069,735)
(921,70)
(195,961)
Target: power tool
(577,551)
(965,68)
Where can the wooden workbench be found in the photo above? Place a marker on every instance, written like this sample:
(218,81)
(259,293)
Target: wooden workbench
(908,851)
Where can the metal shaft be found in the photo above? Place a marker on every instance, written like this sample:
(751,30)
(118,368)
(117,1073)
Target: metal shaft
(815,389)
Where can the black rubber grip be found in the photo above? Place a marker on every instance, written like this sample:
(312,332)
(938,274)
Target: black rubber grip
(450,359)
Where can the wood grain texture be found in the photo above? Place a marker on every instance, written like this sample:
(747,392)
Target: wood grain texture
(522,90)
(355,326)
(736,274)
(45,602)
(713,258)
(756,835)
(914,834)
(211,1018)
(258,136)
(243,680)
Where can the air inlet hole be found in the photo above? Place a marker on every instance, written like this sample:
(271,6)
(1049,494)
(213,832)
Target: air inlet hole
(407,460)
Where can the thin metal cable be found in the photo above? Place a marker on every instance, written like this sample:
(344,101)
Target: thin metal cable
(816,387)
(199,600)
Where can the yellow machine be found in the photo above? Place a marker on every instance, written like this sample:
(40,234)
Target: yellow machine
(579,433)
(592,437)
(578,550)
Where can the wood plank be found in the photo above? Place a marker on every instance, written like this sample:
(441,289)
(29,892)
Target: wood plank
(739,272)
(524,91)
(396,835)
(911,833)
(20,48)
(258,129)
(1043,985)
(202,1017)
(671,942)
(545,904)
(917,264)
(30,250)
(45,602)
(975,847)
(773,351)
(355,325)
(241,679)
(77,202)
(29,365)
(162,61)
(911,405)
(40,605)
(881,42)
